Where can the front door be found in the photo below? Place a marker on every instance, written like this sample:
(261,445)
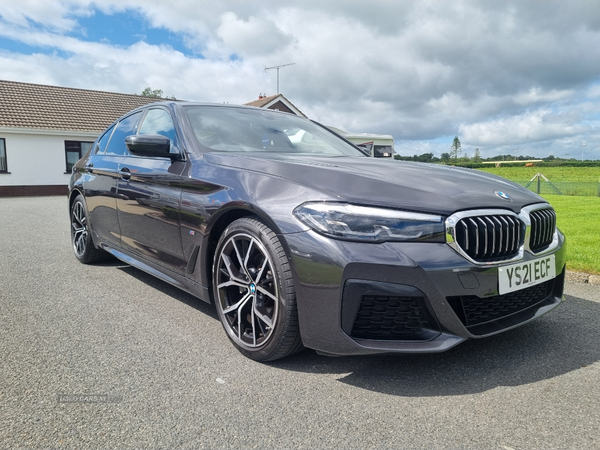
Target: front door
(149,199)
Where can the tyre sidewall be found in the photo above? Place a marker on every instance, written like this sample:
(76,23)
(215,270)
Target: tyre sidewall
(88,254)
(285,288)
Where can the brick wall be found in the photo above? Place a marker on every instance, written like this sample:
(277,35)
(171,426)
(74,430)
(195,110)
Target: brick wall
(22,191)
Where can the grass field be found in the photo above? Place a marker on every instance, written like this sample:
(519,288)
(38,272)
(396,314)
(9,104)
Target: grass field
(578,216)
(579,220)
(573,181)
(558,174)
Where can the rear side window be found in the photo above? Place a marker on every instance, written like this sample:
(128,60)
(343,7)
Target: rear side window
(101,145)
(125,127)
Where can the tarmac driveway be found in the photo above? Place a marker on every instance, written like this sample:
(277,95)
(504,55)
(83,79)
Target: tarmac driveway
(106,356)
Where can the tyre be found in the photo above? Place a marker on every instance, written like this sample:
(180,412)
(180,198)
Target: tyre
(81,237)
(254,291)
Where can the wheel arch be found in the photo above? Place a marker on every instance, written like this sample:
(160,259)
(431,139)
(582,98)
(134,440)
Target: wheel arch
(218,225)
(72,196)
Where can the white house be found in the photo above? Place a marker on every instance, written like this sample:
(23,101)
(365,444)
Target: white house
(378,145)
(44,130)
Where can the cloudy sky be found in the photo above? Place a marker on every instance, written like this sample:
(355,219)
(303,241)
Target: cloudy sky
(507,77)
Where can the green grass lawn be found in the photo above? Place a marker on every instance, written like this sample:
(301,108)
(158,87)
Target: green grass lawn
(554,174)
(579,220)
(574,181)
(578,216)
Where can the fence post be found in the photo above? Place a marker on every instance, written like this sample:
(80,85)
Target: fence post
(539,183)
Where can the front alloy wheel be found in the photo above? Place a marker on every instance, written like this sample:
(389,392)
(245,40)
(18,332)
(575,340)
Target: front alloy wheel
(254,292)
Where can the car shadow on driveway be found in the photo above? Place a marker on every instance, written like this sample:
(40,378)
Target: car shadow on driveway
(563,341)
(171,291)
(560,342)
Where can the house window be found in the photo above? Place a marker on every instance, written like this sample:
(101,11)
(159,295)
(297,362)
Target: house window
(3,163)
(383,151)
(73,152)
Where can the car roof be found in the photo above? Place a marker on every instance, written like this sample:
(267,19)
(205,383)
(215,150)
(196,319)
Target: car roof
(193,103)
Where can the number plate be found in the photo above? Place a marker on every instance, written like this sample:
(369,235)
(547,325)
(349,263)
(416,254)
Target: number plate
(525,274)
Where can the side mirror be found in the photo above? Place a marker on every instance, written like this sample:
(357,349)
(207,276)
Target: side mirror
(150,145)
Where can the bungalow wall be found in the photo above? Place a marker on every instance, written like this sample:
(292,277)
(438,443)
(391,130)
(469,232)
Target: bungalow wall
(36,161)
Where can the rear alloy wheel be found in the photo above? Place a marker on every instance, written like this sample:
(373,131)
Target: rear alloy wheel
(83,246)
(254,291)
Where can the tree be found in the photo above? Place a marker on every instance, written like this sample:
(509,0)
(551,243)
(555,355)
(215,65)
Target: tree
(445,157)
(455,149)
(425,157)
(477,156)
(155,93)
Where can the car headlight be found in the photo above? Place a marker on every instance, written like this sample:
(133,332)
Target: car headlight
(367,224)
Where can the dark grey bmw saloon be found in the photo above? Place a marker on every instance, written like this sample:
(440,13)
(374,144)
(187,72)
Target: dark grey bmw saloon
(300,240)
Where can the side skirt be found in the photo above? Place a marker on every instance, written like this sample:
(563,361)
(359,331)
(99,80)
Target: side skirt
(166,275)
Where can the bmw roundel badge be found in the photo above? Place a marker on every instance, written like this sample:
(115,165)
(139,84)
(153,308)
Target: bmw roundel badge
(503,195)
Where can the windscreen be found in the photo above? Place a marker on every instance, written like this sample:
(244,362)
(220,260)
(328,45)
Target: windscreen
(250,130)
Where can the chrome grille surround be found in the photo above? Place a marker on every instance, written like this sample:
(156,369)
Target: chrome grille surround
(492,236)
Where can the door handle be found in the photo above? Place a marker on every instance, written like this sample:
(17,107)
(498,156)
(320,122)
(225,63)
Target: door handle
(125,173)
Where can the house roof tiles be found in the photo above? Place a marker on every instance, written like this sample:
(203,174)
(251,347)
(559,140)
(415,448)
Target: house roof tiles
(35,106)
(262,102)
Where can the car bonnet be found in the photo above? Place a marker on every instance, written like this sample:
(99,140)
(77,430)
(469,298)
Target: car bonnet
(389,183)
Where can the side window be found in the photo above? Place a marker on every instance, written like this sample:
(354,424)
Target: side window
(3,162)
(74,150)
(159,121)
(125,127)
(101,145)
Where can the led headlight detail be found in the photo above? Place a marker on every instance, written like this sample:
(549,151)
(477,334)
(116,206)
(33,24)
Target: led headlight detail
(362,223)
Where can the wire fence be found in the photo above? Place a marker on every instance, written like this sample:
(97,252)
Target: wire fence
(540,186)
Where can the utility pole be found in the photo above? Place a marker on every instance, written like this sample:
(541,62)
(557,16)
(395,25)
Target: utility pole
(277,68)
(582,146)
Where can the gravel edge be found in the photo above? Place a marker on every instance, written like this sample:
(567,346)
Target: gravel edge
(581,277)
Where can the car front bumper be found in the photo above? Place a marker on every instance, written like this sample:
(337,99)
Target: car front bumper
(357,298)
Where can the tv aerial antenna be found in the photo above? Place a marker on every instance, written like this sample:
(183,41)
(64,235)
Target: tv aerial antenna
(277,68)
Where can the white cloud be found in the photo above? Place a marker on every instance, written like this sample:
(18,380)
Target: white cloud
(495,73)
(593,91)
(57,16)
(252,37)
(93,65)
(536,95)
(540,125)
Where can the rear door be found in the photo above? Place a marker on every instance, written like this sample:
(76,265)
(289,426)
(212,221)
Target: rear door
(101,181)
